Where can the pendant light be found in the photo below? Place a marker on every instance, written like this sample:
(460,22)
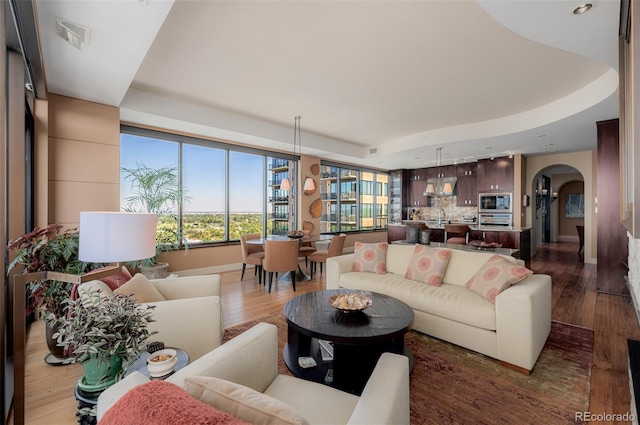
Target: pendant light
(309,184)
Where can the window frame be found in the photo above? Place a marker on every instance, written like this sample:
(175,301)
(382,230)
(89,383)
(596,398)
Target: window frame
(182,140)
(337,184)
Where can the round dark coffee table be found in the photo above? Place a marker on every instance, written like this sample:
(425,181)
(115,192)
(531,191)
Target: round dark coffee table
(358,338)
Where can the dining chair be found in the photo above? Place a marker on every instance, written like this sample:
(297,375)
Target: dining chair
(320,256)
(305,250)
(456,233)
(280,257)
(252,254)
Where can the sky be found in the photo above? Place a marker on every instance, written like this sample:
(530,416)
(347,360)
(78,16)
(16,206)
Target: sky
(203,173)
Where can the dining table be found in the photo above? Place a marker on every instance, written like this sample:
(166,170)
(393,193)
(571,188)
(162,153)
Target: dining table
(301,276)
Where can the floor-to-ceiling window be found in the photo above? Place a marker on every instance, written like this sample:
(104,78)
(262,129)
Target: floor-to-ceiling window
(226,190)
(353,199)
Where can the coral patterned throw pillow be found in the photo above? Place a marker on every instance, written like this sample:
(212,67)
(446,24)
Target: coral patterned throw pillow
(496,275)
(370,257)
(428,264)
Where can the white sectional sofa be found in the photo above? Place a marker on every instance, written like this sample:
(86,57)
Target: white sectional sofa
(513,330)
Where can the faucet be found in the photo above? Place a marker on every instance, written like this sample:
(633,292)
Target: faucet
(441,215)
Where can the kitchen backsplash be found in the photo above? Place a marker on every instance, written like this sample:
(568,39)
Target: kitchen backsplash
(451,210)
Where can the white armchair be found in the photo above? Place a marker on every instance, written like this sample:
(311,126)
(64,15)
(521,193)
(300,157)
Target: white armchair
(190,318)
(251,359)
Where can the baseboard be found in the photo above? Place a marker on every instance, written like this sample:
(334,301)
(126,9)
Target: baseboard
(568,238)
(208,270)
(226,267)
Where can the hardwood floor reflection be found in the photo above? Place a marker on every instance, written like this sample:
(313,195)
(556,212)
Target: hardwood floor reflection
(575,300)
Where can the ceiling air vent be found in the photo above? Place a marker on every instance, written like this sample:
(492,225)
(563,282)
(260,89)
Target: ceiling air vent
(373,150)
(74,34)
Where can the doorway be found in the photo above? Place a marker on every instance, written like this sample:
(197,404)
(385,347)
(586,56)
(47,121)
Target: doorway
(551,189)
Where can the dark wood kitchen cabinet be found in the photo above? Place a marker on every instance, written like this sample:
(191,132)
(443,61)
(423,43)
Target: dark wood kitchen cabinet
(507,239)
(441,172)
(417,187)
(495,175)
(520,240)
(467,169)
(467,185)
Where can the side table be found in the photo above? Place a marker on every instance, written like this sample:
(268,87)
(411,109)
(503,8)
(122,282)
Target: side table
(140,365)
(87,401)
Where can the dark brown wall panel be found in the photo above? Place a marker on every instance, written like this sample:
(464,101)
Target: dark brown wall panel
(613,245)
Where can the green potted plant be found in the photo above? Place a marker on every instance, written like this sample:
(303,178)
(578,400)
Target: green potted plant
(156,190)
(49,249)
(103,333)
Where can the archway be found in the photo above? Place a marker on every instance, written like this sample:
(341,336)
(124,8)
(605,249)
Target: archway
(560,169)
(559,204)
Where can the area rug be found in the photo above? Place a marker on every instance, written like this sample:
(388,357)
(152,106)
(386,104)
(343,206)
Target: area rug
(453,385)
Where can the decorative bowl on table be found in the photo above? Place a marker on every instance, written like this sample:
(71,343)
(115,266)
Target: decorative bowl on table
(350,302)
(295,234)
(486,245)
(162,362)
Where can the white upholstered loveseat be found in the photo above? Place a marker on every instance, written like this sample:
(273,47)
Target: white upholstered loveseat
(514,330)
(251,360)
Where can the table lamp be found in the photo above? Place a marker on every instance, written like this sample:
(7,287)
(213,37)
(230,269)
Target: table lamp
(105,237)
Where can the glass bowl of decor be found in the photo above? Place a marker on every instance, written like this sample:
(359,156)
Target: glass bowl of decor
(350,302)
(162,362)
(295,234)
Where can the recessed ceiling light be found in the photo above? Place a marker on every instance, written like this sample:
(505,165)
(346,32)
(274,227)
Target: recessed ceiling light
(585,7)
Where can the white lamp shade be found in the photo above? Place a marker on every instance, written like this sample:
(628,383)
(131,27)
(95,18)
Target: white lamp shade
(309,184)
(285,184)
(447,188)
(430,188)
(107,237)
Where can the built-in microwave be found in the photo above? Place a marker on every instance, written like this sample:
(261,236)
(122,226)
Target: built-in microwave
(495,202)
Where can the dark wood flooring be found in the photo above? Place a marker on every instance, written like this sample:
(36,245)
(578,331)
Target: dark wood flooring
(612,317)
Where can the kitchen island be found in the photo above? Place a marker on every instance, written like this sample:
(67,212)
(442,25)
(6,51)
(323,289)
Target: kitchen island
(508,236)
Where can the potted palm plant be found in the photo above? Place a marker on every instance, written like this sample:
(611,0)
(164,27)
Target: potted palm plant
(156,190)
(105,334)
(49,249)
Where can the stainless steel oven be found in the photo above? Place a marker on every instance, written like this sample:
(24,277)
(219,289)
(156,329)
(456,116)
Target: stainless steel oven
(496,219)
(495,202)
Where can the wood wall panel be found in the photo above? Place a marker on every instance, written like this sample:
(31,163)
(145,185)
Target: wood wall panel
(69,198)
(41,158)
(613,246)
(16,153)
(72,160)
(81,120)
(6,369)
(84,159)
